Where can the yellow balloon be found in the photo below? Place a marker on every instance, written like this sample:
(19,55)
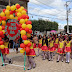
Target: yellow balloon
(0,28)
(22,7)
(19,10)
(28,41)
(26,20)
(16,18)
(21,36)
(7,12)
(23,12)
(23,32)
(11,17)
(8,16)
(3,31)
(23,26)
(19,14)
(29,26)
(28,35)
(8,7)
(3,23)
(2,46)
(13,7)
(2,14)
(22,50)
(22,21)
(16,4)
(25,42)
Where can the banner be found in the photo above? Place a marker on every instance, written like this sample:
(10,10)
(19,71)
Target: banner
(12,30)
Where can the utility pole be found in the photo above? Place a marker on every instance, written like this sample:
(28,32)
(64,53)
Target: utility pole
(9,2)
(67,13)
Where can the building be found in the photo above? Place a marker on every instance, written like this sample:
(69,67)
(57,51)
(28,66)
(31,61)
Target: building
(4,3)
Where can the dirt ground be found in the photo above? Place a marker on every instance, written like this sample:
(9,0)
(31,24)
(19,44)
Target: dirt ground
(41,65)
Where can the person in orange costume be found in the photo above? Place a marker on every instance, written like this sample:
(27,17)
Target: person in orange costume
(51,48)
(60,49)
(30,55)
(68,49)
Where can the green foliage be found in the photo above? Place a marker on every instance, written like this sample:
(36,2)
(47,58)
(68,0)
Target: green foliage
(41,25)
(70,28)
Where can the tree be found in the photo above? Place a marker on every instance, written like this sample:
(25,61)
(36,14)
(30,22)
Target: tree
(70,28)
(42,25)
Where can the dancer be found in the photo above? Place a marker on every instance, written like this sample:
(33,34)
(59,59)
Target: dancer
(30,55)
(6,51)
(51,48)
(68,49)
(60,49)
(40,43)
(44,46)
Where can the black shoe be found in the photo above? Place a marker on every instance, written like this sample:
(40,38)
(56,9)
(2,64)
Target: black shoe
(68,62)
(49,60)
(62,61)
(3,65)
(57,61)
(10,61)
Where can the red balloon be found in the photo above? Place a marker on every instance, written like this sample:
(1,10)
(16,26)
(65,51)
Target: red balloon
(29,44)
(4,18)
(22,45)
(27,16)
(19,18)
(0,19)
(20,25)
(27,29)
(30,31)
(24,37)
(16,13)
(11,12)
(28,22)
(2,36)
(23,16)
(1,42)
(1,33)
(27,49)
(0,39)
(21,29)
(4,10)
(17,6)
(25,10)
(3,27)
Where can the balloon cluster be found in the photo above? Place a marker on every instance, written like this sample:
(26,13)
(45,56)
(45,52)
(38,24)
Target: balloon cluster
(19,13)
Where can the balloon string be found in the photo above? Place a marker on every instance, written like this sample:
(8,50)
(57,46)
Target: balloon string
(24,59)
(2,57)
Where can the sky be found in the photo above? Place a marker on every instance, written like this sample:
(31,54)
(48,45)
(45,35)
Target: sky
(52,10)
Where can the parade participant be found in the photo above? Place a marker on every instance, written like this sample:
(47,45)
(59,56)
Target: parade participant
(68,49)
(44,46)
(51,48)
(71,47)
(40,43)
(6,51)
(16,45)
(56,42)
(30,55)
(60,49)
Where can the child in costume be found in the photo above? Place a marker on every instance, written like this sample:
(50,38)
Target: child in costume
(30,55)
(6,51)
(40,43)
(56,42)
(51,48)
(68,49)
(44,46)
(60,49)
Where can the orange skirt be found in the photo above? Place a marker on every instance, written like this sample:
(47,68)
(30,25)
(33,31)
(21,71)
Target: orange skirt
(6,51)
(60,51)
(3,51)
(52,49)
(34,46)
(56,45)
(67,49)
(44,48)
(39,45)
(31,53)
